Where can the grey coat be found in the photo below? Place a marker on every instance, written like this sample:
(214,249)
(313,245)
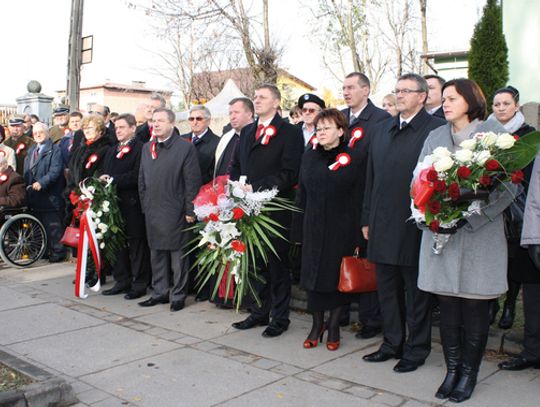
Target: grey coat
(474,261)
(531,219)
(167,187)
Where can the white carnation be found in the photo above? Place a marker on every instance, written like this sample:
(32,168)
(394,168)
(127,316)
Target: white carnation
(102,245)
(482,157)
(468,144)
(505,141)
(99,236)
(440,152)
(464,155)
(106,210)
(99,214)
(443,164)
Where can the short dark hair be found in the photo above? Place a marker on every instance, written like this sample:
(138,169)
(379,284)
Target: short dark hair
(363,80)
(128,118)
(106,110)
(420,82)
(248,104)
(76,114)
(472,94)
(170,114)
(335,116)
(272,88)
(295,110)
(431,76)
(511,90)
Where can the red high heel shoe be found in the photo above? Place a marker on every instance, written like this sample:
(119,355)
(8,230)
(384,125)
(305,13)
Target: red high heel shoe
(312,343)
(332,345)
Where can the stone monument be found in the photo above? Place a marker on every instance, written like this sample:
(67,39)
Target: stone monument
(35,102)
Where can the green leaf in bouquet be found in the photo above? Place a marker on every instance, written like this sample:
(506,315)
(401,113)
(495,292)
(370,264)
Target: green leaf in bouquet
(264,238)
(522,153)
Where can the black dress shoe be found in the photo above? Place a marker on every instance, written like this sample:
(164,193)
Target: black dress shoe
(249,323)
(57,259)
(519,363)
(368,332)
(274,330)
(177,306)
(380,356)
(404,366)
(133,295)
(150,302)
(115,290)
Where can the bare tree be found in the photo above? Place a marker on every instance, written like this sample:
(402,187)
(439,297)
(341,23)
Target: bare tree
(425,48)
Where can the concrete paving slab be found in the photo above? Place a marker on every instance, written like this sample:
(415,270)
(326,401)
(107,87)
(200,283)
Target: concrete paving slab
(182,377)
(10,299)
(199,319)
(294,392)
(351,367)
(92,349)
(40,320)
(288,347)
(42,270)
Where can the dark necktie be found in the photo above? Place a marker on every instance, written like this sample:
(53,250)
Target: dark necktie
(403,125)
(195,140)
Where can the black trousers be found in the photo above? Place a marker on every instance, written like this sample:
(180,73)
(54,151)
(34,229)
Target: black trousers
(54,227)
(132,269)
(275,295)
(405,312)
(531,310)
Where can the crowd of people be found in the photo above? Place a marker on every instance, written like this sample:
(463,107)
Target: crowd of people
(361,204)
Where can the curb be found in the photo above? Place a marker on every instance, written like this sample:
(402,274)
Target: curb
(47,390)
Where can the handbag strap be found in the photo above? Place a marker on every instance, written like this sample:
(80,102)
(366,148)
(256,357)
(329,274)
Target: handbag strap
(357,252)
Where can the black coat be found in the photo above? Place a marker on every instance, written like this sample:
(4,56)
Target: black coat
(79,158)
(79,140)
(276,164)
(206,150)
(125,173)
(332,205)
(144,134)
(368,119)
(393,238)
(439,113)
(48,170)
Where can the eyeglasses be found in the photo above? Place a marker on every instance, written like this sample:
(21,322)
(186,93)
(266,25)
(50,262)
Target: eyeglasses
(406,91)
(310,110)
(198,119)
(98,113)
(324,129)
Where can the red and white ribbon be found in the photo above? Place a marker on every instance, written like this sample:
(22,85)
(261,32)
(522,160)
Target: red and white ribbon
(3,178)
(153,149)
(123,151)
(87,239)
(314,142)
(268,133)
(91,160)
(20,148)
(356,134)
(342,160)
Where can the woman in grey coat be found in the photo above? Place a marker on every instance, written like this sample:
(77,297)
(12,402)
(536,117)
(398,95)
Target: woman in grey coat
(471,269)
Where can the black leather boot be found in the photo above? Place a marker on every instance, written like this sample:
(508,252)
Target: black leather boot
(494,308)
(451,344)
(472,352)
(509,309)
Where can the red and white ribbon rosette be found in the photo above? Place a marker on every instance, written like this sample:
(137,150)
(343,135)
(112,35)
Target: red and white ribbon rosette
(90,161)
(3,178)
(3,153)
(123,151)
(20,148)
(66,131)
(268,133)
(356,134)
(314,142)
(87,239)
(153,149)
(342,160)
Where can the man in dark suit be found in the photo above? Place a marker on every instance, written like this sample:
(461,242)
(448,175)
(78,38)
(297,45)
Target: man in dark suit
(394,242)
(269,162)
(144,131)
(204,140)
(434,98)
(132,270)
(241,112)
(363,115)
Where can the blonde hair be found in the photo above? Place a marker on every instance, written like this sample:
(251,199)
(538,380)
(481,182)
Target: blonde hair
(97,120)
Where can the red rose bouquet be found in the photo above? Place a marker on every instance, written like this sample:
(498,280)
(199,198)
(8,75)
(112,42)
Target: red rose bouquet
(449,187)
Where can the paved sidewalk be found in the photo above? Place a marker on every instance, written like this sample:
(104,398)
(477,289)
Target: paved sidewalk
(115,353)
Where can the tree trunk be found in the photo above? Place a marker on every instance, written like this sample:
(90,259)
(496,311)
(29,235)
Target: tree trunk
(425,49)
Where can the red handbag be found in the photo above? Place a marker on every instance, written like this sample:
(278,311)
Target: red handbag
(71,237)
(357,275)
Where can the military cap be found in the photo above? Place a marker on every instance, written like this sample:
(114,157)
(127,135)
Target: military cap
(310,97)
(16,121)
(59,111)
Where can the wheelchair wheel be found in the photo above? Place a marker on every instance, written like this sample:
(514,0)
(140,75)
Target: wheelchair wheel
(23,240)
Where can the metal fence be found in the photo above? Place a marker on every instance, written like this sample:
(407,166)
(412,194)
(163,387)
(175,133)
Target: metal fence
(5,112)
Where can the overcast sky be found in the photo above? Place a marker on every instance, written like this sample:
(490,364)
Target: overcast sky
(35,37)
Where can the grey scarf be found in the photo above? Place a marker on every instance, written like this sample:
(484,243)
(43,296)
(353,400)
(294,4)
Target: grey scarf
(514,124)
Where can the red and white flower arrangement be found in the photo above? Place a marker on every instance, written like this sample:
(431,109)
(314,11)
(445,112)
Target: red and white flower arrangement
(449,187)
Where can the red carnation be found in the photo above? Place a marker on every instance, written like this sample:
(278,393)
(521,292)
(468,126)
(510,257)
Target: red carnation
(485,180)
(214,217)
(432,175)
(238,246)
(434,225)
(464,172)
(238,213)
(434,207)
(453,191)
(440,186)
(517,176)
(492,165)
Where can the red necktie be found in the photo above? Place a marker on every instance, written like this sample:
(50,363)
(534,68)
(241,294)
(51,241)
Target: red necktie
(260,128)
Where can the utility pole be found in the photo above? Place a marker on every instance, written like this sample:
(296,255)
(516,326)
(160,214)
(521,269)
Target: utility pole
(74,59)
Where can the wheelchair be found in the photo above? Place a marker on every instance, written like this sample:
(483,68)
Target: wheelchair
(23,239)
